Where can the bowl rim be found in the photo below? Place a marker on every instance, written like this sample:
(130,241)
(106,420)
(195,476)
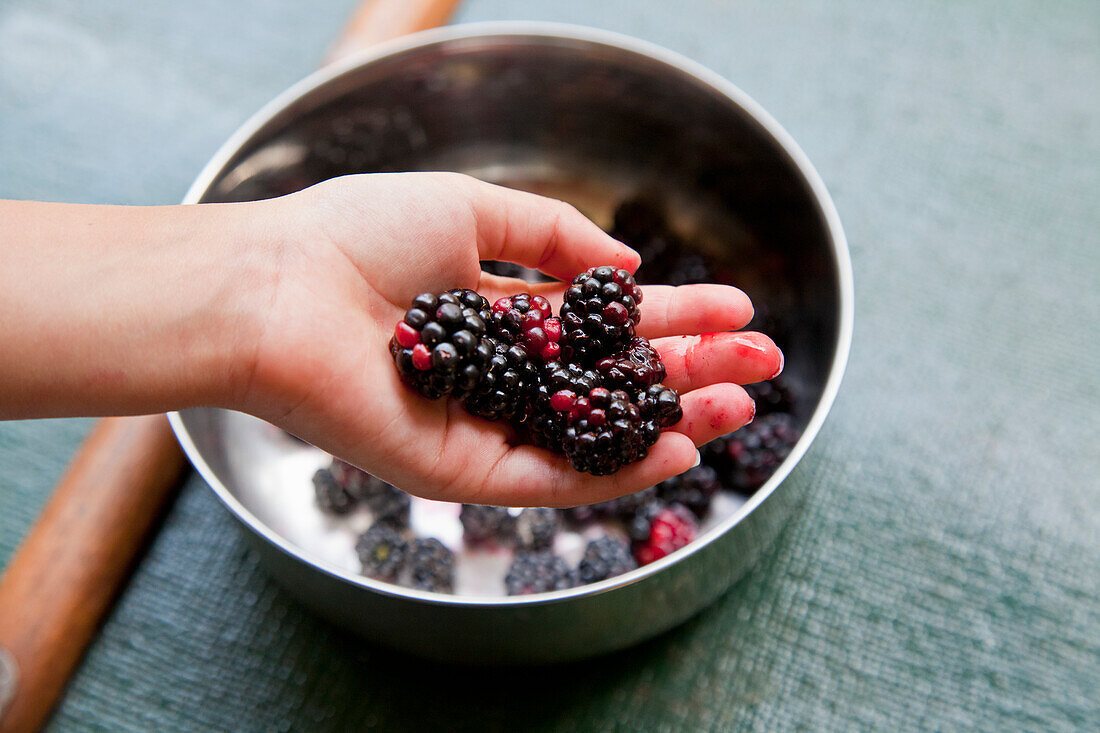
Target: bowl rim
(549,31)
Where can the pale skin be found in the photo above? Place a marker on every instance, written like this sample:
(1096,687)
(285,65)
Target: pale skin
(284,308)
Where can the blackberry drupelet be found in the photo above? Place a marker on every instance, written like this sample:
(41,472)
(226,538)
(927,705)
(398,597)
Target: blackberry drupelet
(429,566)
(748,457)
(547,425)
(599,314)
(333,497)
(634,368)
(484,523)
(670,529)
(535,527)
(527,320)
(382,551)
(508,387)
(694,488)
(604,558)
(440,347)
(605,431)
(537,572)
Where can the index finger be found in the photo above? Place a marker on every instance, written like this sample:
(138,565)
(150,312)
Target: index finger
(542,233)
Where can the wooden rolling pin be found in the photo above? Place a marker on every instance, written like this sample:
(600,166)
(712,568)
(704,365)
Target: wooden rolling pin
(69,569)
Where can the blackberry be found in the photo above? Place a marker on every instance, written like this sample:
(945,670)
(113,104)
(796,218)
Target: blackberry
(333,497)
(429,566)
(534,528)
(774,395)
(440,347)
(666,258)
(627,506)
(670,529)
(548,423)
(636,367)
(484,523)
(622,507)
(599,314)
(527,320)
(357,482)
(604,558)
(537,572)
(389,504)
(660,405)
(747,457)
(382,551)
(606,431)
(508,387)
(637,526)
(694,488)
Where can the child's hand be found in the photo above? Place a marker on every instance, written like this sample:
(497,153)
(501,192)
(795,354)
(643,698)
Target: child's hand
(338,266)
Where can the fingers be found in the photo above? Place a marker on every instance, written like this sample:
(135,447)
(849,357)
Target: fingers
(696,361)
(713,411)
(541,233)
(529,476)
(692,309)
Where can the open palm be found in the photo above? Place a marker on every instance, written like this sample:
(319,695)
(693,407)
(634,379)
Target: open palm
(363,246)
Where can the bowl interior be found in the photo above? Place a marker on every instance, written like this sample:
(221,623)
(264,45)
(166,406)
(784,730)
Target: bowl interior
(590,122)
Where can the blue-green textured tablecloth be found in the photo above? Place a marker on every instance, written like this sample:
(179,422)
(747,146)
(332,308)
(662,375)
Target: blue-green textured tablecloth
(945,572)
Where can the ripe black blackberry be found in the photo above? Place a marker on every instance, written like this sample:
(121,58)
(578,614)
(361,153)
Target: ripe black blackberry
(429,565)
(333,496)
(440,347)
(660,405)
(694,488)
(626,506)
(774,395)
(666,257)
(527,320)
(606,431)
(599,314)
(537,572)
(746,458)
(605,557)
(507,388)
(534,528)
(622,507)
(485,523)
(382,551)
(546,427)
(388,503)
(638,525)
(636,367)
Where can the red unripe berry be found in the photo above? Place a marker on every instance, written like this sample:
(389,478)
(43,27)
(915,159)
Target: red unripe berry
(406,335)
(542,305)
(563,400)
(422,358)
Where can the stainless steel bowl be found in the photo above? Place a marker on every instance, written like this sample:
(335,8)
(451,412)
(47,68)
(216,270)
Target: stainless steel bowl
(591,117)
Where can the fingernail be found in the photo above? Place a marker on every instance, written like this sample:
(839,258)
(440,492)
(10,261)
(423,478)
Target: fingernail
(698,459)
(782,361)
(752,415)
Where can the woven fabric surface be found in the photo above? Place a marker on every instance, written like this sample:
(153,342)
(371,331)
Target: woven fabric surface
(944,573)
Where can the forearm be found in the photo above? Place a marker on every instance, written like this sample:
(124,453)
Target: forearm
(124,310)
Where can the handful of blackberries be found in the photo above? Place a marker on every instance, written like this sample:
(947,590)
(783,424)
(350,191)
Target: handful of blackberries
(583,383)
